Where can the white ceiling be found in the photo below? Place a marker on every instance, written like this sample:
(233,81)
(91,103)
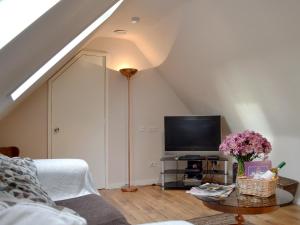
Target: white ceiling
(150,12)
(156,31)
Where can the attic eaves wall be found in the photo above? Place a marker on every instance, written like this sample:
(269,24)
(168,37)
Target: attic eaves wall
(43,39)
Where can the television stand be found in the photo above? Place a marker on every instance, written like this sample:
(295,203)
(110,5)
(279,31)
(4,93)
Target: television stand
(188,171)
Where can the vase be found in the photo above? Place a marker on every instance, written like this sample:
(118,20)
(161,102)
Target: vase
(241,168)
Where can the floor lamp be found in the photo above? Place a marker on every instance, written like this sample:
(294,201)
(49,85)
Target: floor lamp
(128,73)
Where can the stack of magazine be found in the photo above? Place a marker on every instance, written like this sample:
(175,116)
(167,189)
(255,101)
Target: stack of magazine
(212,190)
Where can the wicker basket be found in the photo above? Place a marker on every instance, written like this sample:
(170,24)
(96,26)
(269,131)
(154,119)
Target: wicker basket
(257,187)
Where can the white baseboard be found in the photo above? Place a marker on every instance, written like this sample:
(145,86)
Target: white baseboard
(114,185)
(137,182)
(146,182)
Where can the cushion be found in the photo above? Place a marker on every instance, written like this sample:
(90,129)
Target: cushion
(19,181)
(25,213)
(95,210)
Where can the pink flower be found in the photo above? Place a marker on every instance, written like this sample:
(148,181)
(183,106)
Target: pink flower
(247,143)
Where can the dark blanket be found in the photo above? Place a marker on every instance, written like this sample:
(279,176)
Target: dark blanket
(95,210)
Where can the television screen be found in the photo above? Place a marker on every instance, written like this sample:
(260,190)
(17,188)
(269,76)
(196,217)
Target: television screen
(192,133)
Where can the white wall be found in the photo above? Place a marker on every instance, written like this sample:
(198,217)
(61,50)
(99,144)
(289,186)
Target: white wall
(152,98)
(241,60)
(26,125)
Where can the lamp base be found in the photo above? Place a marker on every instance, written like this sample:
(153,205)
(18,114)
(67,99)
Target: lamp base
(129,189)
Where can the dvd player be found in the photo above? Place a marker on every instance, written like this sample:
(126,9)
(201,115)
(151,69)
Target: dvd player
(191,157)
(213,157)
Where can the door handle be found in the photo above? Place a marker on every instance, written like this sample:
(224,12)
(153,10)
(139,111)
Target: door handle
(56,130)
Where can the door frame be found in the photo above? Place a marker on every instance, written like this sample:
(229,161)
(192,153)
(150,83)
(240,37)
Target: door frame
(59,73)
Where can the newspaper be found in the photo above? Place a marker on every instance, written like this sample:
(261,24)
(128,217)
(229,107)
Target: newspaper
(212,190)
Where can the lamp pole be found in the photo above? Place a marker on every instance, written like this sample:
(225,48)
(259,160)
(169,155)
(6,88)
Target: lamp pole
(128,73)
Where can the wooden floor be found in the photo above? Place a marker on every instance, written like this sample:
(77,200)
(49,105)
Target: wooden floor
(150,204)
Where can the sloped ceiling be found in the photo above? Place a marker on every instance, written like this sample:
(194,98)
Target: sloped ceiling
(43,39)
(239,59)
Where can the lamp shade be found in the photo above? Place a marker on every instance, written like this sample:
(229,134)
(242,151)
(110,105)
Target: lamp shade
(128,72)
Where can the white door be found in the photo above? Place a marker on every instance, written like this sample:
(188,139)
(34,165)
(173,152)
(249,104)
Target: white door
(77,113)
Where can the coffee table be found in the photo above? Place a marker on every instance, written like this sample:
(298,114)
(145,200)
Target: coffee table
(245,204)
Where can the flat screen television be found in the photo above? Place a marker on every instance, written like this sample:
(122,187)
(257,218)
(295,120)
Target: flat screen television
(192,133)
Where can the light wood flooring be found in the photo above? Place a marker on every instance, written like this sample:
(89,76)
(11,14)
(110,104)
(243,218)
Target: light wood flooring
(150,204)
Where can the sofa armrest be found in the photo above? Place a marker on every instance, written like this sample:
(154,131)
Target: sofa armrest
(65,178)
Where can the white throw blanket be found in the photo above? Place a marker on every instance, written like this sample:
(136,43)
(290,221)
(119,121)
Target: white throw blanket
(65,178)
(33,213)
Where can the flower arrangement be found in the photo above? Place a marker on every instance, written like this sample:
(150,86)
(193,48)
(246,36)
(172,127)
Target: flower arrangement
(245,146)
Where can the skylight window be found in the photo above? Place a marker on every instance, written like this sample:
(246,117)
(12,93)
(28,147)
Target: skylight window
(63,52)
(17,15)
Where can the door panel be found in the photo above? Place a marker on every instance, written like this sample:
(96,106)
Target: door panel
(78,114)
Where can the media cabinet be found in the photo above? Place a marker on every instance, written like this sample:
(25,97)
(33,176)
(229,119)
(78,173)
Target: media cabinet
(174,176)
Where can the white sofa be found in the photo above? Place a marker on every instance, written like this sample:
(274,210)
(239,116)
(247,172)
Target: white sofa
(66,179)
